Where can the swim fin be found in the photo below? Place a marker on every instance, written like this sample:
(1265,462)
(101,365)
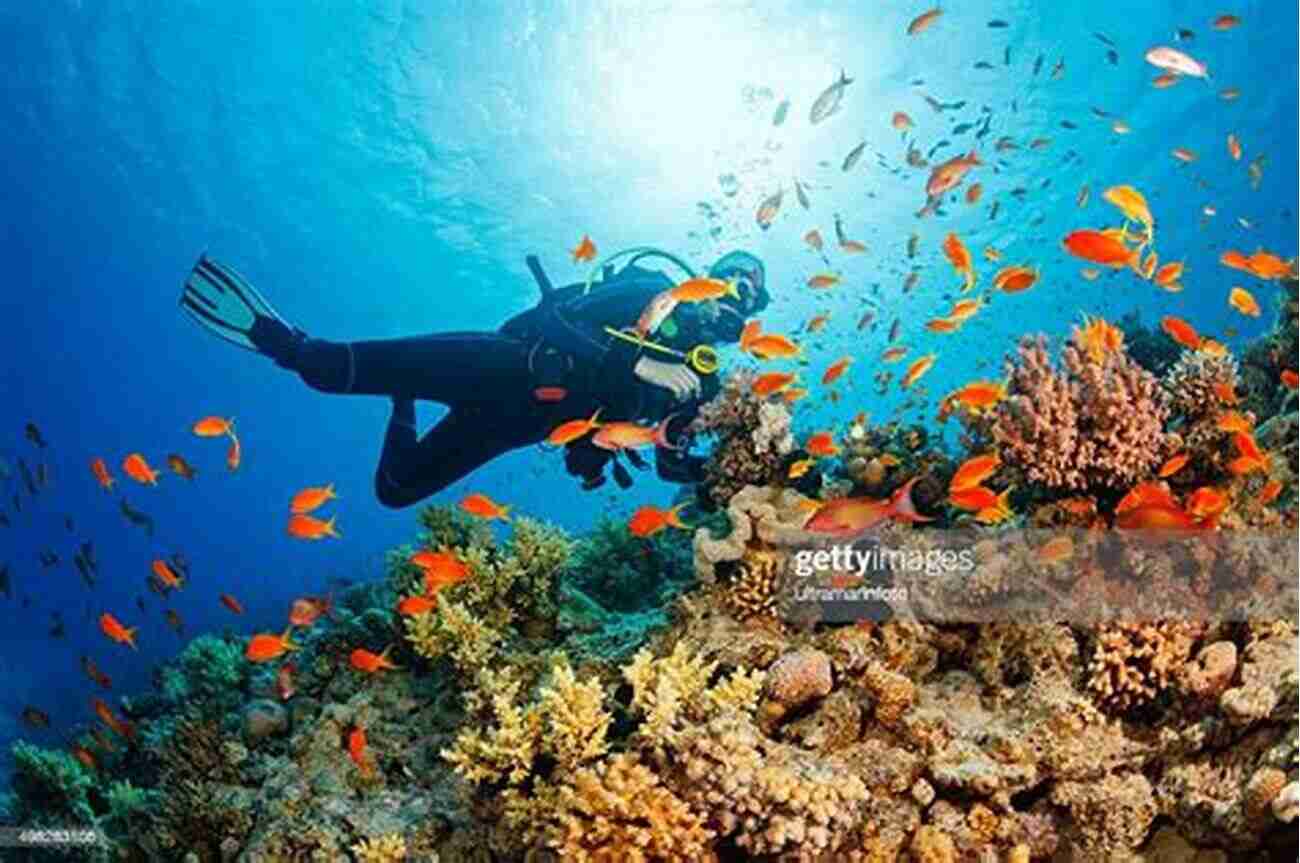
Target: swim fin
(225,303)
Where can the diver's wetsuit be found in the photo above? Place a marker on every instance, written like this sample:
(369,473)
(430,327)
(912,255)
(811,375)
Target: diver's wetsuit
(510,388)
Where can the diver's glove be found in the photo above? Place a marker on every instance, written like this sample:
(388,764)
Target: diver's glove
(674,377)
(277,340)
(587,461)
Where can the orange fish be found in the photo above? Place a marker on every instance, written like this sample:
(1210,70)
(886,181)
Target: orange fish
(835,370)
(174,620)
(1251,457)
(584,251)
(1234,422)
(790,395)
(102,476)
(231,603)
(943,325)
(234,454)
(1056,550)
(214,427)
(92,671)
(568,432)
(923,21)
(1213,348)
(1148,268)
(901,121)
(1242,300)
(703,288)
(1013,280)
(82,754)
(1225,393)
(284,681)
(482,506)
(974,471)
(441,569)
(1180,331)
(181,467)
(1098,337)
(1155,517)
(980,395)
(852,247)
(311,528)
(312,498)
(974,498)
(821,444)
(1234,147)
(363,660)
(772,382)
(109,625)
(1168,79)
(992,255)
(118,726)
(974,192)
(1270,491)
(963,310)
(1289,379)
(814,239)
(306,610)
(998,512)
(1173,466)
(823,280)
(266,646)
(1168,273)
(357,750)
(166,574)
(817,323)
(949,175)
(893,355)
(138,469)
(617,436)
(918,368)
(771,346)
(1205,502)
(649,520)
(1225,22)
(960,258)
(850,515)
(751,331)
(413,605)
(1101,248)
(1183,154)
(1147,494)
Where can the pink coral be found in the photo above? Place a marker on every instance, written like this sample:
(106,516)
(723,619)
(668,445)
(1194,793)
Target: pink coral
(1099,421)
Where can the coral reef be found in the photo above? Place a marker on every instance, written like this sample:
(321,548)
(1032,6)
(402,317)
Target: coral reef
(1097,423)
(752,441)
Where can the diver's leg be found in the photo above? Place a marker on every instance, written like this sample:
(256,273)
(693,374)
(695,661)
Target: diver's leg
(411,468)
(453,368)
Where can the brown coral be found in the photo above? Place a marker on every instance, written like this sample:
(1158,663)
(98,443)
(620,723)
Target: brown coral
(1134,662)
(1097,423)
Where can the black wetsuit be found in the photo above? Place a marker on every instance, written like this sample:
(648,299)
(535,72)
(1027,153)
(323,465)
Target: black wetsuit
(498,385)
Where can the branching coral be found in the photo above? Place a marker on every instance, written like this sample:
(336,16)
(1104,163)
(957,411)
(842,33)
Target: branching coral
(509,588)
(1132,663)
(381,849)
(752,438)
(613,811)
(1096,423)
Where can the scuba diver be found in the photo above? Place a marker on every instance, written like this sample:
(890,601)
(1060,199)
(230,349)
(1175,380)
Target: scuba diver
(569,356)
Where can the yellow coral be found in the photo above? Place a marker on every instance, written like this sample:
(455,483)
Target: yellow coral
(452,629)
(567,722)
(576,718)
(616,810)
(383,849)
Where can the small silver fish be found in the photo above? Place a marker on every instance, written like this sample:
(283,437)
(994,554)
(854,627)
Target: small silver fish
(852,158)
(781,110)
(912,243)
(1058,71)
(894,329)
(829,101)
(801,195)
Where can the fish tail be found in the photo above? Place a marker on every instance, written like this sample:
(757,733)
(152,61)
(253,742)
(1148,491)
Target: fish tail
(503,512)
(288,643)
(902,506)
(331,530)
(845,79)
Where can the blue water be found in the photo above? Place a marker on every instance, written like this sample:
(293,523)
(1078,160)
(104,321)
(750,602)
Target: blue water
(381,169)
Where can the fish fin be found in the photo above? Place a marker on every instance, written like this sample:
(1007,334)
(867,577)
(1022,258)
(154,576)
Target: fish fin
(331,530)
(902,506)
(845,79)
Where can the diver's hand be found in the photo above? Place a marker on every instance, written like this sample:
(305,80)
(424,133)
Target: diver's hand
(681,381)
